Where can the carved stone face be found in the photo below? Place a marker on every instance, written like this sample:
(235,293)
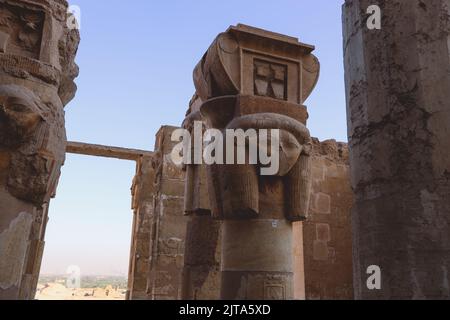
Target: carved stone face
(32,139)
(256,79)
(37,70)
(19,115)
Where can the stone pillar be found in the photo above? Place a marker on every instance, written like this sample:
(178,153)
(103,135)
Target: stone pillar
(132,258)
(34,255)
(201,272)
(255,79)
(37,69)
(167,224)
(398,84)
(143,200)
(159,227)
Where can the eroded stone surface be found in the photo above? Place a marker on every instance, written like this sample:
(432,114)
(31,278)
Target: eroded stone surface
(159,226)
(327,232)
(13,248)
(397,84)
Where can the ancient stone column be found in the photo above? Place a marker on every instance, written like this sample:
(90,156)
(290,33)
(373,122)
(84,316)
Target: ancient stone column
(37,50)
(167,224)
(255,79)
(201,271)
(398,85)
(143,203)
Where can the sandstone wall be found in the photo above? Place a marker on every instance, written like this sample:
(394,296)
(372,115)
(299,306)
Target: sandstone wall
(327,241)
(143,200)
(159,227)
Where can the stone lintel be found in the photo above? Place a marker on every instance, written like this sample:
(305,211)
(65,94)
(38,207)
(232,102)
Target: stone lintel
(106,151)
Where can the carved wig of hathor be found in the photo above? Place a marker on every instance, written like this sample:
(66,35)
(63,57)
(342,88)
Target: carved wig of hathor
(254,79)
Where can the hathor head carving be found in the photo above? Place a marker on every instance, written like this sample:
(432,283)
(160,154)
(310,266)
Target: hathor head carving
(255,79)
(19,115)
(37,72)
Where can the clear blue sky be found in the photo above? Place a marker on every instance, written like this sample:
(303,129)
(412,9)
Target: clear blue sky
(136,59)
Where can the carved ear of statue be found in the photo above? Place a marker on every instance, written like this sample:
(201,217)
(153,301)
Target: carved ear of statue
(290,150)
(298,189)
(310,75)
